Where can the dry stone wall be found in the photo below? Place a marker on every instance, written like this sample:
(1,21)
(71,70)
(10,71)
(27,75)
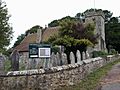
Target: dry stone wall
(54,77)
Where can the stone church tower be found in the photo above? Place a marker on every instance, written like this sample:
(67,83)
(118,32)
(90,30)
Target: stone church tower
(97,18)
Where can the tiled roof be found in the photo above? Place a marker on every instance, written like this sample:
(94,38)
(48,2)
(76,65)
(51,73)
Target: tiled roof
(31,38)
(50,32)
(24,45)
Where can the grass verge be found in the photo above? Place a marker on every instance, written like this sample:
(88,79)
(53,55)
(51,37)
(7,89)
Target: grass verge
(93,79)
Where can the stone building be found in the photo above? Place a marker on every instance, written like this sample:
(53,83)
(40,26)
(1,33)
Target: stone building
(95,17)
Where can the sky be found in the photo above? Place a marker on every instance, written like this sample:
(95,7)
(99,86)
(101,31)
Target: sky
(28,13)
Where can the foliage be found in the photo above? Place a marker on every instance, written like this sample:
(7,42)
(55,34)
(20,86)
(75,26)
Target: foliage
(19,40)
(93,79)
(112,31)
(5,28)
(73,35)
(55,23)
(113,52)
(99,54)
(55,49)
(33,30)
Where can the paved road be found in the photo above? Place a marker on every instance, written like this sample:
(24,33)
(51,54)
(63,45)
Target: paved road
(112,80)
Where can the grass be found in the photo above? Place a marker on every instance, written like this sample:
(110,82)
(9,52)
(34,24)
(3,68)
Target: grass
(93,79)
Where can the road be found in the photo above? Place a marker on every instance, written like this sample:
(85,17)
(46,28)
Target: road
(112,80)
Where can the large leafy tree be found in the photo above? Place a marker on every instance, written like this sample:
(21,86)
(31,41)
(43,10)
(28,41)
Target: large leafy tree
(112,29)
(73,35)
(5,28)
(55,23)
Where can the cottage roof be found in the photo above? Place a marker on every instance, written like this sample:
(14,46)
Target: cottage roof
(50,32)
(31,38)
(24,45)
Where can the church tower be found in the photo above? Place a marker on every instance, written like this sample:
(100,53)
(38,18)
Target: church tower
(97,18)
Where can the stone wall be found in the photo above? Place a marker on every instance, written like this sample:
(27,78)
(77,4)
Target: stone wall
(52,78)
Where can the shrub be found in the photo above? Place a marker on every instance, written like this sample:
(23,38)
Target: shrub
(113,51)
(99,54)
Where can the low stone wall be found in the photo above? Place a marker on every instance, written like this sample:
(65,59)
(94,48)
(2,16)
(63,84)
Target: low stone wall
(53,78)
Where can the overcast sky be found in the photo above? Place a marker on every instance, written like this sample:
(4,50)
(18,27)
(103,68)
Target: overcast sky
(27,13)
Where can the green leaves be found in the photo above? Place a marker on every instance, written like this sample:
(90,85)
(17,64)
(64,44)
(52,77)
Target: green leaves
(112,29)
(5,28)
(84,42)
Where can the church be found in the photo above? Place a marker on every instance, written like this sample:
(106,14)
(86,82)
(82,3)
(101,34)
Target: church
(95,17)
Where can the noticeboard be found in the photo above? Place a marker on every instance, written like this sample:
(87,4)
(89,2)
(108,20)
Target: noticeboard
(39,51)
(33,51)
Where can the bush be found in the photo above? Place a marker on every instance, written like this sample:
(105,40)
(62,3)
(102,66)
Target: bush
(113,51)
(55,49)
(99,54)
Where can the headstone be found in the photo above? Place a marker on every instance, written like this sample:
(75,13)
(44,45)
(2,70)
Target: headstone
(64,58)
(33,63)
(87,55)
(22,62)
(46,63)
(15,60)
(83,55)
(78,55)
(58,59)
(40,62)
(2,64)
(72,58)
(54,59)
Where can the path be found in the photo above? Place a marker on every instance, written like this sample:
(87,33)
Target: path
(112,80)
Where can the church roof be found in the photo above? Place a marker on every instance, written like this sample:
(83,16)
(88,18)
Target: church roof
(50,32)
(31,38)
(24,45)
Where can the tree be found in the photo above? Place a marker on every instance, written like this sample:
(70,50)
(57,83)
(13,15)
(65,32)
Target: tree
(73,36)
(112,30)
(5,28)
(33,30)
(55,23)
(19,40)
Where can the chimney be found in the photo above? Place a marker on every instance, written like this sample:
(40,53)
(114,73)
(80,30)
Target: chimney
(39,36)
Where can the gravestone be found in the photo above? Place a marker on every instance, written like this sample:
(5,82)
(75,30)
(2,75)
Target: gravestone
(64,58)
(40,62)
(15,60)
(78,55)
(83,55)
(32,63)
(21,62)
(72,58)
(46,63)
(58,59)
(54,59)
(87,55)
(2,64)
